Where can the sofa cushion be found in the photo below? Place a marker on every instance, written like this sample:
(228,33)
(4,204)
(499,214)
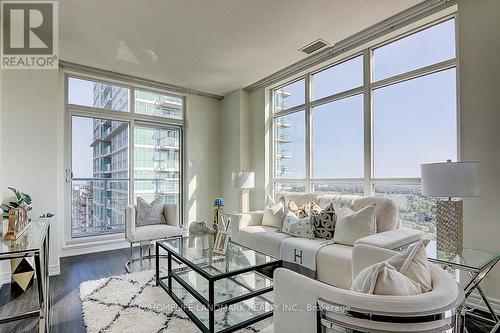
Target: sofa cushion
(300,199)
(353,225)
(263,239)
(333,265)
(298,227)
(386,209)
(310,208)
(324,222)
(273,214)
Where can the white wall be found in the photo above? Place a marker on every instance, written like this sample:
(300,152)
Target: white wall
(479,74)
(29,142)
(203,126)
(236,134)
(259,123)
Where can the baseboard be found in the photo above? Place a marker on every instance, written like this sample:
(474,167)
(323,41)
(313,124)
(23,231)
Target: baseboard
(54,270)
(474,300)
(86,248)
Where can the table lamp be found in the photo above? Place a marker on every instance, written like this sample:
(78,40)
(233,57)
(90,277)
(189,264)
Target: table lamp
(244,181)
(450,180)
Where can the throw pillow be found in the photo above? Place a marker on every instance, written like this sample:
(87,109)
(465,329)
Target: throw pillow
(310,208)
(383,279)
(298,227)
(413,263)
(148,214)
(273,214)
(324,222)
(353,225)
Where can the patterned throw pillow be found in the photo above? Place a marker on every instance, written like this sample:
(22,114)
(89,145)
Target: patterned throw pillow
(310,208)
(324,222)
(148,214)
(298,227)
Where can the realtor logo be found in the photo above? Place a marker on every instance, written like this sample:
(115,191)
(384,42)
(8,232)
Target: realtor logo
(29,35)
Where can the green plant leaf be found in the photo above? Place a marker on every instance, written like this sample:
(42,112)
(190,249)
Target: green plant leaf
(16,193)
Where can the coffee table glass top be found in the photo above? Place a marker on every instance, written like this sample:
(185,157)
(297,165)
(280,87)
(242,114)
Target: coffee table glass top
(472,258)
(237,257)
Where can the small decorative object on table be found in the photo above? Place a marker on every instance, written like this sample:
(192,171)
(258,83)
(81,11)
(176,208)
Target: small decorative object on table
(18,223)
(218,204)
(221,242)
(200,231)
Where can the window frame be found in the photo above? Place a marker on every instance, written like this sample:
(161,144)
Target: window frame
(368,181)
(131,118)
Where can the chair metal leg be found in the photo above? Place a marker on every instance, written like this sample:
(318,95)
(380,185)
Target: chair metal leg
(141,256)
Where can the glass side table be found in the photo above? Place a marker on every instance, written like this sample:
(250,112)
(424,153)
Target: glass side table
(477,263)
(34,242)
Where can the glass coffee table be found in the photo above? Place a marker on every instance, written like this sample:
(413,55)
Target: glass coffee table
(219,293)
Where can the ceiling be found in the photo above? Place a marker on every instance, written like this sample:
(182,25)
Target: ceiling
(215,46)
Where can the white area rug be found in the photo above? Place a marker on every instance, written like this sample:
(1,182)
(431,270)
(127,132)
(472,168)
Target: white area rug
(132,303)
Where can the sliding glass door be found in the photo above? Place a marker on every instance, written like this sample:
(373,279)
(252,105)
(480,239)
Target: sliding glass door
(100,181)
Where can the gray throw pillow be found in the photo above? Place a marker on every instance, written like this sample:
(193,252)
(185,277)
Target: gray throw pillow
(148,214)
(294,226)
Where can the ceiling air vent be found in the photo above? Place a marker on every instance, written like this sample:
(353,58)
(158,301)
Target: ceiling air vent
(314,46)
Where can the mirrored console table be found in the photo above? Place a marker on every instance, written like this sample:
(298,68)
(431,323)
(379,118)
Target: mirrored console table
(34,242)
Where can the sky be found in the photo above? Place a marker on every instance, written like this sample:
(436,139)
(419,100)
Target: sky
(414,122)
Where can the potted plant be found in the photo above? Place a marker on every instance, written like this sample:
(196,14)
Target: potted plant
(21,200)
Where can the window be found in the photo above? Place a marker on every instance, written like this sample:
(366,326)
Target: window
(414,122)
(336,79)
(289,96)
(337,139)
(107,176)
(159,105)
(97,94)
(290,146)
(402,93)
(426,47)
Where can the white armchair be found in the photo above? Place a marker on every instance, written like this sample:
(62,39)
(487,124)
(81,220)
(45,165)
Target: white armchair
(149,233)
(297,298)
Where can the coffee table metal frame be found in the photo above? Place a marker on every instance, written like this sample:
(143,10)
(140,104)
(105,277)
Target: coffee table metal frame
(210,303)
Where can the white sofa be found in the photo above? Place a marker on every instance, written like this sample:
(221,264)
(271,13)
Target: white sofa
(434,311)
(333,262)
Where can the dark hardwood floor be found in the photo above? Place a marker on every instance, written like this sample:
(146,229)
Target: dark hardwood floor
(66,309)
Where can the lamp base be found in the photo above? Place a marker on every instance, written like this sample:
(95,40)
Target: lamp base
(450,226)
(244,200)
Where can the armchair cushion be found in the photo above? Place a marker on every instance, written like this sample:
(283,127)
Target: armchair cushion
(148,214)
(135,233)
(392,239)
(384,279)
(413,263)
(154,231)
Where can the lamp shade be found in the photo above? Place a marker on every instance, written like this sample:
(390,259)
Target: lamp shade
(245,179)
(450,179)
